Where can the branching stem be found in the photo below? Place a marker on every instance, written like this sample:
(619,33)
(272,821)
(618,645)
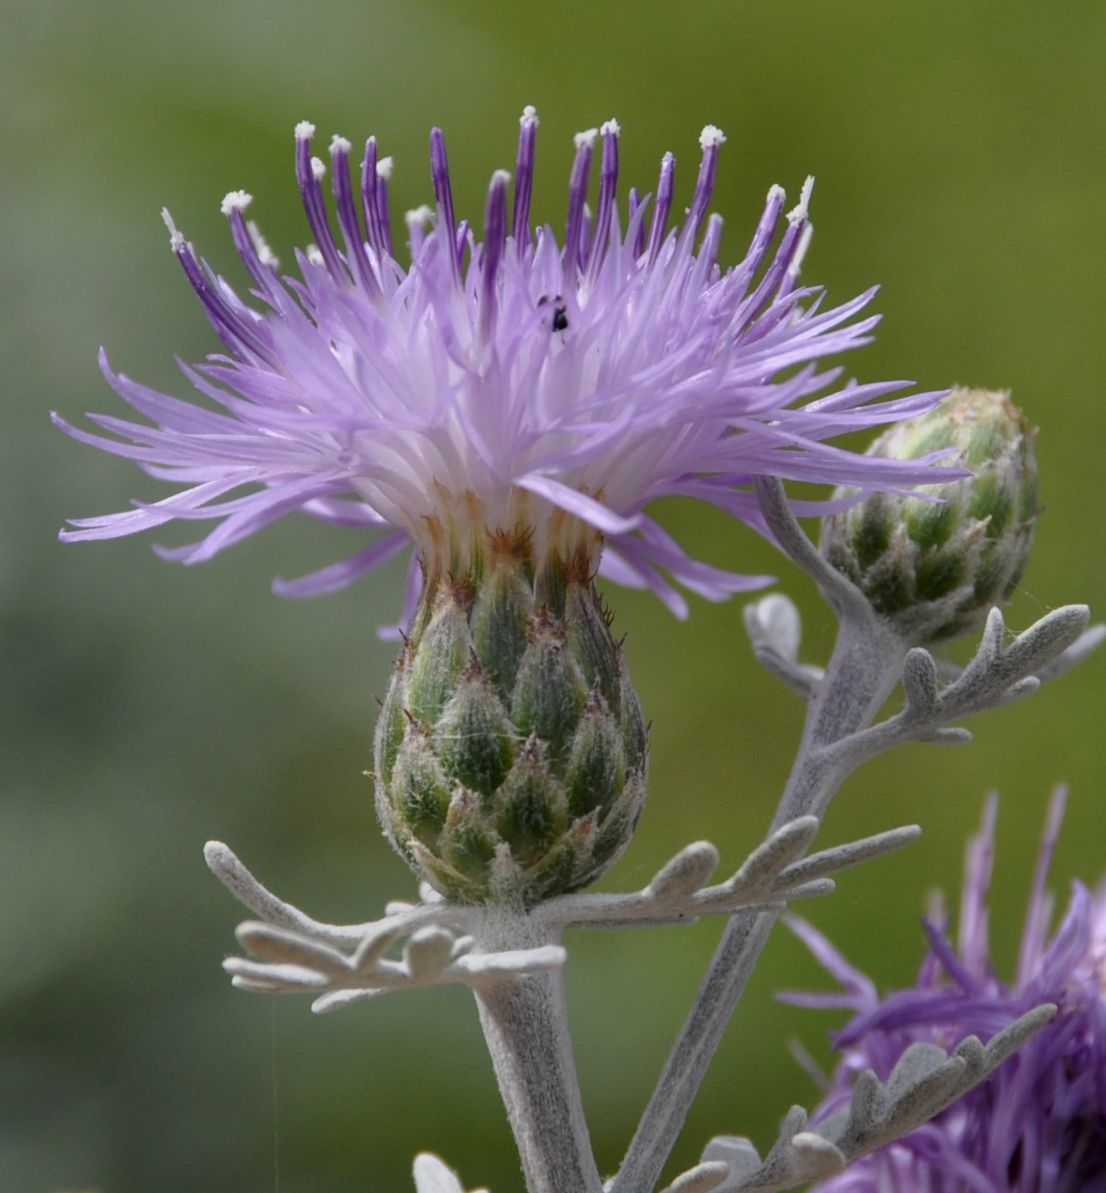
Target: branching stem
(864,669)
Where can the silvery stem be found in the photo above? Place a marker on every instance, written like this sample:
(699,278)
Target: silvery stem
(865,667)
(525,1026)
(863,671)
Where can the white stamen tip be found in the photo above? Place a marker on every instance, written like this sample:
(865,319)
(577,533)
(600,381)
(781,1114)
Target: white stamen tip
(776,194)
(385,168)
(235,201)
(500,178)
(529,115)
(711,137)
(314,255)
(339,144)
(799,212)
(800,252)
(318,168)
(420,217)
(176,237)
(305,130)
(610,128)
(587,137)
(261,246)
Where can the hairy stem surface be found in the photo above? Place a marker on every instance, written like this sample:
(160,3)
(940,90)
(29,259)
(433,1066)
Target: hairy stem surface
(526,1029)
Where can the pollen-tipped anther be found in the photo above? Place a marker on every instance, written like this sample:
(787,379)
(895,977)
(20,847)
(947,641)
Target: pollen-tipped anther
(524,177)
(443,196)
(608,187)
(176,236)
(801,209)
(235,201)
(495,233)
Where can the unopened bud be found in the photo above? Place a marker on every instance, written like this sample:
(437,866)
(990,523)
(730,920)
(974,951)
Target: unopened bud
(937,567)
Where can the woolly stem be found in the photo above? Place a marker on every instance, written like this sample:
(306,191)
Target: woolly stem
(525,1026)
(863,671)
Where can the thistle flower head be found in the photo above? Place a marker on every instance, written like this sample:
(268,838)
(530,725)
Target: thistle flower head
(1039,1125)
(507,380)
(943,564)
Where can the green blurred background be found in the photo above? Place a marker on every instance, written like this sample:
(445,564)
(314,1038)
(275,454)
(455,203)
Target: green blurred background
(959,154)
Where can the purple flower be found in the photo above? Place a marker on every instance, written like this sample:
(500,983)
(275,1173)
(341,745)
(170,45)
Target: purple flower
(1039,1125)
(509,383)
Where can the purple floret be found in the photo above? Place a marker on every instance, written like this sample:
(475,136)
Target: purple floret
(1039,1124)
(507,382)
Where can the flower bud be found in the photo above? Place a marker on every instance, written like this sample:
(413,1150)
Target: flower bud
(511,748)
(937,567)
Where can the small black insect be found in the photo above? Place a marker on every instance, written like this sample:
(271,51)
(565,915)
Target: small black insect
(560,311)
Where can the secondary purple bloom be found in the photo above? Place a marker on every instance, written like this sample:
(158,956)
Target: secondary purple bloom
(1039,1125)
(504,383)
